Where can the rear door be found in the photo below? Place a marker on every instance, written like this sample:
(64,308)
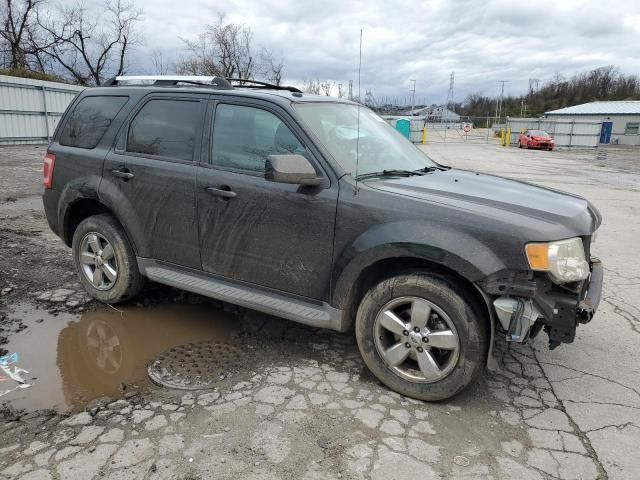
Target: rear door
(151,173)
(265,233)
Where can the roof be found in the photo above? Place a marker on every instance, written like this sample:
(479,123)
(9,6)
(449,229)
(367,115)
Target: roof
(278,96)
(626,107)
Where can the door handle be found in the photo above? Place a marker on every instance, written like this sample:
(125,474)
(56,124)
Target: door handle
(123,173)
(223,191)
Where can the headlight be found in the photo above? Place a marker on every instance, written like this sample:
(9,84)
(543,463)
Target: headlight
(564,259)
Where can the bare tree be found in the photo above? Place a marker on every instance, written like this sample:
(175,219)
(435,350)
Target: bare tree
(225,49)
(92,45)
(161,64)
(326,87)
(17,31)
(272,68)
(312,86)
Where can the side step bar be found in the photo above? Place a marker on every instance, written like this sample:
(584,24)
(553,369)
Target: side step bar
(320,315)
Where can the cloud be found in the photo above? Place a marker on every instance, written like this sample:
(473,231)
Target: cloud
(482,41)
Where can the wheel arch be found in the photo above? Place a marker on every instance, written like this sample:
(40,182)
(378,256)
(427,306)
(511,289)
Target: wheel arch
(385,268)
(82,208)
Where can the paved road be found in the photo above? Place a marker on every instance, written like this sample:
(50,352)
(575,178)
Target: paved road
(306,407)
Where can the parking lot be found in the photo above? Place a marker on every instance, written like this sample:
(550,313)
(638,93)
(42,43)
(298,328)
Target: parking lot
(285,401)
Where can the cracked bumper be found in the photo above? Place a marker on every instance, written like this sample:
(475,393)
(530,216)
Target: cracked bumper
(565,311)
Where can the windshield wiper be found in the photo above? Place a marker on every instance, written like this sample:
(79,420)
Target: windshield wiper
(390,173)
(433,168)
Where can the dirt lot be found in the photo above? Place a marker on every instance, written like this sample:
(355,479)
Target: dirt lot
(286,401)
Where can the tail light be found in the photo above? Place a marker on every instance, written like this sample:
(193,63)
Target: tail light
(49,162)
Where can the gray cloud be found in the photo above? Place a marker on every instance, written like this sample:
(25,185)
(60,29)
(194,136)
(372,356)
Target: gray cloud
(482,41)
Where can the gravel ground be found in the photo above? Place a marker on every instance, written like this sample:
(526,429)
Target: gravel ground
(292,402)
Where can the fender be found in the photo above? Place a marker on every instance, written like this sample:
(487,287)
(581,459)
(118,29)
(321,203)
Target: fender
(80,188)
(440,244)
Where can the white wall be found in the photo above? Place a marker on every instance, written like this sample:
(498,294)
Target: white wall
(619,123)
(30,109)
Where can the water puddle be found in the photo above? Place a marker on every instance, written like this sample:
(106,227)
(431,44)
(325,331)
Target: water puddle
(71,361)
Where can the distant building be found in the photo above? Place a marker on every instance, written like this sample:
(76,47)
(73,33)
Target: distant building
(620,120)
(437,114)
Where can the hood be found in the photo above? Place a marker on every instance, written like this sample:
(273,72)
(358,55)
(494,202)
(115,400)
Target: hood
(542,137)
(494,196)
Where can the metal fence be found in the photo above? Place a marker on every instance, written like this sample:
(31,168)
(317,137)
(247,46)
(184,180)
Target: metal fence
(467,130)
(566,133)
(30,109)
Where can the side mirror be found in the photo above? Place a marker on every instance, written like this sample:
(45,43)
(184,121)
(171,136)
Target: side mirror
(293,169)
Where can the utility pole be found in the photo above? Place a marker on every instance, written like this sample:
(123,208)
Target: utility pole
(413,96)
(501,98)
(350,89)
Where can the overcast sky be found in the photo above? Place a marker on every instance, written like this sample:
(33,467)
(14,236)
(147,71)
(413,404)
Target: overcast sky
(483,41)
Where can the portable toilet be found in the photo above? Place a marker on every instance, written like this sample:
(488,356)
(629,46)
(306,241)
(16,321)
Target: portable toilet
(404,127)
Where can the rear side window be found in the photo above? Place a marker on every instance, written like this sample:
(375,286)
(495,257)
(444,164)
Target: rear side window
(89,120)
(165,128)
(243,138)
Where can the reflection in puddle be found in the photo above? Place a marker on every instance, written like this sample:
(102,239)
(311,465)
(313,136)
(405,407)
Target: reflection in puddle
(72,362)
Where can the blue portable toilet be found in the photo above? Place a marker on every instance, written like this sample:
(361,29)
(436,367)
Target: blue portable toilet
(404,127)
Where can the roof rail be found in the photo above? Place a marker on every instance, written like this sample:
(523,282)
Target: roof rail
(218,82)
(258,84)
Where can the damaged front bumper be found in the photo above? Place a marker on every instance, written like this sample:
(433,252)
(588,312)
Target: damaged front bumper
(528,305)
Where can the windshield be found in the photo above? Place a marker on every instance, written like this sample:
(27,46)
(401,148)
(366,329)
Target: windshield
(380,148)
(538,133)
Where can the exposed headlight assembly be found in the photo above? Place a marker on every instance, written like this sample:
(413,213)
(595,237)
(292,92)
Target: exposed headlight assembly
(563,260)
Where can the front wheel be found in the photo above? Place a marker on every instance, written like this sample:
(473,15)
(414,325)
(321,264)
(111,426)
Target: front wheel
(420,336)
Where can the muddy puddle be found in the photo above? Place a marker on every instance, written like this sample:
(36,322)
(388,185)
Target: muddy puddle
(69,360)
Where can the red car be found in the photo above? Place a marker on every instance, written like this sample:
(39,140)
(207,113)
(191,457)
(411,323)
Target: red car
(536,139)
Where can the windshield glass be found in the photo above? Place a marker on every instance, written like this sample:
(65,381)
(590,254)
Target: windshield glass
(538,133)
(380,148)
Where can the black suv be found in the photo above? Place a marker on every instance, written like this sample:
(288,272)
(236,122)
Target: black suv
(314,209)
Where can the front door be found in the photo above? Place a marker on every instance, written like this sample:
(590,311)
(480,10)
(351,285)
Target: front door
(275,235)
(153,166)
(605,133)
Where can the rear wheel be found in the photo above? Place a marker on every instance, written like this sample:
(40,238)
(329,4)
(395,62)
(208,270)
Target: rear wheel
(105,261)
(419,335)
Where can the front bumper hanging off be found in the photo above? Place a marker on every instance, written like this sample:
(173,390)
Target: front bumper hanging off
(563,312)
(528,305)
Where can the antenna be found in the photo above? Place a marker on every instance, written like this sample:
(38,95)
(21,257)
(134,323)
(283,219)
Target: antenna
(358,128)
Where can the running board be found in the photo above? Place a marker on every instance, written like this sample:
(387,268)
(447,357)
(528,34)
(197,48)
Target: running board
(320,315)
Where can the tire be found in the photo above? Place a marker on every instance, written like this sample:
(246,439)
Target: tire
(98,233)
(451,307)
(520,145)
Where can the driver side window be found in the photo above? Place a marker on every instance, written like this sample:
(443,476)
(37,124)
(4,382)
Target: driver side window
(243,138)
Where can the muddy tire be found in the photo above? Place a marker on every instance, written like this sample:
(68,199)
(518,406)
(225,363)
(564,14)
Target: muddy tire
(105,261)
(421,336)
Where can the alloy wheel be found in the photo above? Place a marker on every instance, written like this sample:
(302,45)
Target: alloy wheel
(98,261)
(416,339)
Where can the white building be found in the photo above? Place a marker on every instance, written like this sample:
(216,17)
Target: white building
(620,120)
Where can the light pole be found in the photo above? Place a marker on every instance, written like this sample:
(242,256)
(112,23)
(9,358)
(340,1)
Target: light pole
(413,96)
